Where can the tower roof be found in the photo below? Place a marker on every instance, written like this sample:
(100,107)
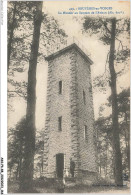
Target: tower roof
(66,48)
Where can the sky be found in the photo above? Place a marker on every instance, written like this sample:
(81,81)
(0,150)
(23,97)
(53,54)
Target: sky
(97,50)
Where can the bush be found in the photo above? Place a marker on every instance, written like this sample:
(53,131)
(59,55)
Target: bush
(44,182)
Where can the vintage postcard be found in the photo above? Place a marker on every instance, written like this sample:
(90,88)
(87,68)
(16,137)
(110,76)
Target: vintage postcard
(65,85)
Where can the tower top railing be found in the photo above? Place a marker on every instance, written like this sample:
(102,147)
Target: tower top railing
(65,43)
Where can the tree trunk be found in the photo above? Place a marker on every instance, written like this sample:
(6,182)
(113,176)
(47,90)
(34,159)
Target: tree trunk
(100,165)
(26,184)
(127,140)
(11,35)
(42,164)
(20,167)
(17,171)
(116,139)
(10,173)
(106,158)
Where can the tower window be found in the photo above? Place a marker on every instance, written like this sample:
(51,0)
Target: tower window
(85,132)
(60,123)
(60,87)
(90,88)
(84,97)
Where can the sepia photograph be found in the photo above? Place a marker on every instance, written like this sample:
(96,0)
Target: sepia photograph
(68,97)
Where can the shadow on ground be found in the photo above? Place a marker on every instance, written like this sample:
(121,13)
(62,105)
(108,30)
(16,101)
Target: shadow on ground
(14,186)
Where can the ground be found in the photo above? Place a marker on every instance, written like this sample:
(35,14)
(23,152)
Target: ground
(87,189)
(13,188)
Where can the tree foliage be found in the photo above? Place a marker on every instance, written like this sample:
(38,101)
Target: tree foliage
(29,43)
(101,27)
(16,143)
(104,136)
(19,43)
(108,30)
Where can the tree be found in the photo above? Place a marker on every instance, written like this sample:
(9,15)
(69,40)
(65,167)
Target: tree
(115,126)
(20,29)
(39,149)
(20,14)
(105,134)
(16,13)
(26,183)
(124,120)
(104,146)
(20,17)
(124,110)
(16,142)
(108,34)
(11,27)
(50,31)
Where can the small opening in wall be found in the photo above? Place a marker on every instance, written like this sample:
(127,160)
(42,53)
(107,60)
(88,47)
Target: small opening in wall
(90,88)
(60,123)
(60,87)
(84,97)
(85,132)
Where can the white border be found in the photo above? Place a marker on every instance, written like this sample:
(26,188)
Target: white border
(3,79)
(4,90)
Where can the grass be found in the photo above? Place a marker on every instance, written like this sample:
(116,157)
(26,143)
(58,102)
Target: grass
(14,186)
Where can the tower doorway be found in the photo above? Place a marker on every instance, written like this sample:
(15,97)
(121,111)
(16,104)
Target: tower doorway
(59,165)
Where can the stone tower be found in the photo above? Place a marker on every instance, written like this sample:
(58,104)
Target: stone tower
(69,129)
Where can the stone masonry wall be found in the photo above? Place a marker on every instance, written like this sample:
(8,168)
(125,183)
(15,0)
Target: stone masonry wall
(87,152)
(74,72)
(58,105)
(74,115)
